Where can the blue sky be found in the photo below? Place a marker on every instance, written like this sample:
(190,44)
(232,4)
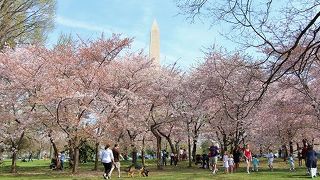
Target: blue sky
(180,40)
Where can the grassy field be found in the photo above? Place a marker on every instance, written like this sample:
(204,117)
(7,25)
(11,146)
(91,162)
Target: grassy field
(38,169)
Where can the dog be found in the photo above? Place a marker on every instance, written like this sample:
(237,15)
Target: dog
(141,170)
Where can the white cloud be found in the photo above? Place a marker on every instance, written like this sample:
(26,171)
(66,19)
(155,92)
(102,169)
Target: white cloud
(72,23)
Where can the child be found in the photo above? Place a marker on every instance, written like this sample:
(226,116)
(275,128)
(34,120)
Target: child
(226,162)
(231,163)
(255,163)
(270,157)
(291,162)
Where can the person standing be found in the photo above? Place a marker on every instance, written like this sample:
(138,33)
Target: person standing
(231,163)
(107,159)
(236,157)
(226,162)
(311,161)
(270,157)
(291,162)
(176,158)
(171,158)
(213,157)
(248,157)
(255,164)
(164,157)
(30,157)
(304,149)
(116,155)
(62,159)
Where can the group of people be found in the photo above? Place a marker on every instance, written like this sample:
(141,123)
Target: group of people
(58,163)
(173,158)
(231,161)
(110,159)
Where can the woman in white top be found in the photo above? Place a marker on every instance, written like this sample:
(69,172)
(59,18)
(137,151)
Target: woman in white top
(107,159)
(226,162)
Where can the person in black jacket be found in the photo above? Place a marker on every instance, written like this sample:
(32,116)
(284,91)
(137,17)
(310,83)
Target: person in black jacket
(311,161)
(236,157)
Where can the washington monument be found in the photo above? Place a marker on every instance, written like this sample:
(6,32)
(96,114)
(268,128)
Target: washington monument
(154,51)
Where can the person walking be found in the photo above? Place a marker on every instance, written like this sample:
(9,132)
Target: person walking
(116,156)
(213,157)
(270,157)
(107,159)
(30,157)
(291,162)
(311,161)
(248,157)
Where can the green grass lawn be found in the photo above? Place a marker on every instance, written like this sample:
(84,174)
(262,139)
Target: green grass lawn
(38,169)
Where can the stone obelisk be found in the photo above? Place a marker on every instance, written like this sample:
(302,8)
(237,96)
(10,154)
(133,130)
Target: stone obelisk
(154,51)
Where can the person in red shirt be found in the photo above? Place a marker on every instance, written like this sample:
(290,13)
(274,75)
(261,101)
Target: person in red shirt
(248,157)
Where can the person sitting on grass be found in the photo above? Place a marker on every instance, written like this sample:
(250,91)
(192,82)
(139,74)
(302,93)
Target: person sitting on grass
(270,157)
(255,163)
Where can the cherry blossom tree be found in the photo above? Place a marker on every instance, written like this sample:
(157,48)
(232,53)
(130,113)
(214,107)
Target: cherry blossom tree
(232,89)
(19,74)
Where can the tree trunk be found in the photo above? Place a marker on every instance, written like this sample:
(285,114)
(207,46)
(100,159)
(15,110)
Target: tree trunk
(71,155)
(194,150)
(76,159)
(16,148)
(159,165)
(75,155)
(167,137)
(189,144)
(142,151)
(158,138)
(14,162)
(172,147)
(96,159)
(55,152)
(225,143)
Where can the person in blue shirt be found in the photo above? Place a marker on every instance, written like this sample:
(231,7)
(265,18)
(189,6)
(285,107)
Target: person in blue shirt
(62,159)
(255,163)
